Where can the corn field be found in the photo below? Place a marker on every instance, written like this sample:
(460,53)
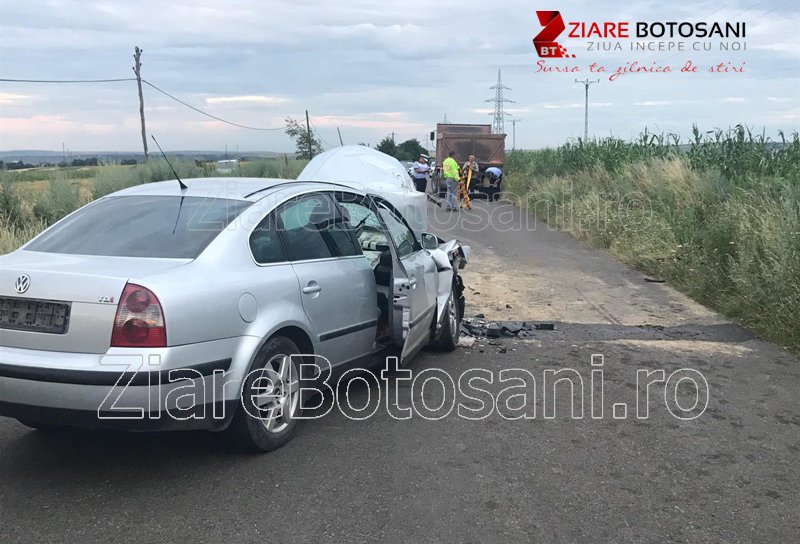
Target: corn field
(718,216)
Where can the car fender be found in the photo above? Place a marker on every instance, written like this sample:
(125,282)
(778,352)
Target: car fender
(449,257)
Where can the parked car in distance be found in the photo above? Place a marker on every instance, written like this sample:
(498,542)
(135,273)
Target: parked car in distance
(108,313)
(228,166)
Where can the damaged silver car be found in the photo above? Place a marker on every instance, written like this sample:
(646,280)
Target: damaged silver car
(110,316)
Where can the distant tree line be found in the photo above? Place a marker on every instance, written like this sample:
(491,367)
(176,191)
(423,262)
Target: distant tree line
(92,161)
(406,151)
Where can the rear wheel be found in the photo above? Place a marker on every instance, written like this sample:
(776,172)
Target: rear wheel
(270,397)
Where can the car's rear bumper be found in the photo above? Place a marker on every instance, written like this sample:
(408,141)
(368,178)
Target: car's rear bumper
(193,386)
(199,417)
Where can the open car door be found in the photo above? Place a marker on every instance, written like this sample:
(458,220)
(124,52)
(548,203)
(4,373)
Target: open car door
(413,307)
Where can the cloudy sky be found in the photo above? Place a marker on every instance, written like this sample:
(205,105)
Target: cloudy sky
(369,68)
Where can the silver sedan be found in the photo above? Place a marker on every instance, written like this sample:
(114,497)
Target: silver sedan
(162,307)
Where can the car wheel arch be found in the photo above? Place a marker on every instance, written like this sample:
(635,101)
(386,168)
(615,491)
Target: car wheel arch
(297,335)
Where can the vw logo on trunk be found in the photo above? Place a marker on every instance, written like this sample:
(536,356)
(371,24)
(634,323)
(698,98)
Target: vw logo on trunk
(22,283)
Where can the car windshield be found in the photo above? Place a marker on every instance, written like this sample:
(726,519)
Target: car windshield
(141,226)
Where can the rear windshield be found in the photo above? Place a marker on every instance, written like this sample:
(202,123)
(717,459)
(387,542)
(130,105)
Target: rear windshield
(141,226)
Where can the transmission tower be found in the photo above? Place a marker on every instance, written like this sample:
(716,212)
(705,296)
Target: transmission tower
(498,120)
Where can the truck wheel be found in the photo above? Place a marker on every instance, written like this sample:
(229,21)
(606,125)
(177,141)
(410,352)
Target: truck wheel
(438,185)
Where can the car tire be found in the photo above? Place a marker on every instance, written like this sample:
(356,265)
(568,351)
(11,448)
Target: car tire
(451,325)
(260,424)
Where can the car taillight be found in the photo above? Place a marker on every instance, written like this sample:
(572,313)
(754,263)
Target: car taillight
(139,322)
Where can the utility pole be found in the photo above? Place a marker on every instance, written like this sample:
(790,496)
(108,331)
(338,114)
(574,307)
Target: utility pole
(308,135)
(341,143)
(586,83)
(392,137)
(514,133)
(137,69)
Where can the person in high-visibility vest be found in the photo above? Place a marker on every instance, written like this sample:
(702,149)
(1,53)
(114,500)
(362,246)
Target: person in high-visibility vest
(470,168)
(451,175)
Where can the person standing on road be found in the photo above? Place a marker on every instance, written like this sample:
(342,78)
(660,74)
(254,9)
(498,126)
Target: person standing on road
(472,164)
(420,171)
(469,174)
(495,176)
(451,176)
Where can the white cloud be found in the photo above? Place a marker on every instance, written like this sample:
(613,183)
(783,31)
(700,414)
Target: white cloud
(651,103)
(8,99)
(247,99)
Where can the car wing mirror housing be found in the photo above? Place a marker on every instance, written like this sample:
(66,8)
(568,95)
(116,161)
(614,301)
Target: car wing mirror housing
(429,241)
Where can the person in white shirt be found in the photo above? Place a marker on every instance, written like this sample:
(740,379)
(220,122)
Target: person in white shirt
(420,171)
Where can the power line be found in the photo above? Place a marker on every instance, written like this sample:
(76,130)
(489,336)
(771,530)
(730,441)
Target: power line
(221,120)
(319,135)
(162,91)
(7,80)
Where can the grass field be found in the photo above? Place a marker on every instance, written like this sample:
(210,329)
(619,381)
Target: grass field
(32,199)
(719,217)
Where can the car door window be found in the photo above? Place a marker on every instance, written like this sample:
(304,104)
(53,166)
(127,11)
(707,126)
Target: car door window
(265,242)
(366,226)
(403,236)
(314,228)
(342,234)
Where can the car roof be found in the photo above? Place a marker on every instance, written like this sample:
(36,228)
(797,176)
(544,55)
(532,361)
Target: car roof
(235,188)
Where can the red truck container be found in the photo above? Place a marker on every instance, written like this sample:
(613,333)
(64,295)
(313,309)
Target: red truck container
(466,140)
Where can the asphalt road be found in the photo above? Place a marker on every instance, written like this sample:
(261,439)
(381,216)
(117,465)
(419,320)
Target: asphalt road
(728,475)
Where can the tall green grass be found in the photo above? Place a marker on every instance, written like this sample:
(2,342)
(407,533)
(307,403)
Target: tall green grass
(718,217)
(27,207)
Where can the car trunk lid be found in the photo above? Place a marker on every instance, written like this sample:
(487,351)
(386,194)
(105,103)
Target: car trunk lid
(60,302)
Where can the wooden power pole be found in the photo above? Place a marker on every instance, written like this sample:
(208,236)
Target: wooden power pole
(137,69)
(308,134)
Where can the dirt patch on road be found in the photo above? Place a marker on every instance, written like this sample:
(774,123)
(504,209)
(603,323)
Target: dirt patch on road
(527,290)
(504,293)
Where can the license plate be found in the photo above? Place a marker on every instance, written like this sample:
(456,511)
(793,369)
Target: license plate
(22,314)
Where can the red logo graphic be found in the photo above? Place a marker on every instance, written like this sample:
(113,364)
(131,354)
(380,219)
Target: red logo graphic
(545,41)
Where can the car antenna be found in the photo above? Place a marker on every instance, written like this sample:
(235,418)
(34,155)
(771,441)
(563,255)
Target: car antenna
(183,185)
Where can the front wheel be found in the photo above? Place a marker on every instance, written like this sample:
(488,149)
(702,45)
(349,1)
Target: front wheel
(270,397)
(451,325)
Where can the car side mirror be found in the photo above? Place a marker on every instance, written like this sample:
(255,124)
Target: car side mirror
(429,241)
